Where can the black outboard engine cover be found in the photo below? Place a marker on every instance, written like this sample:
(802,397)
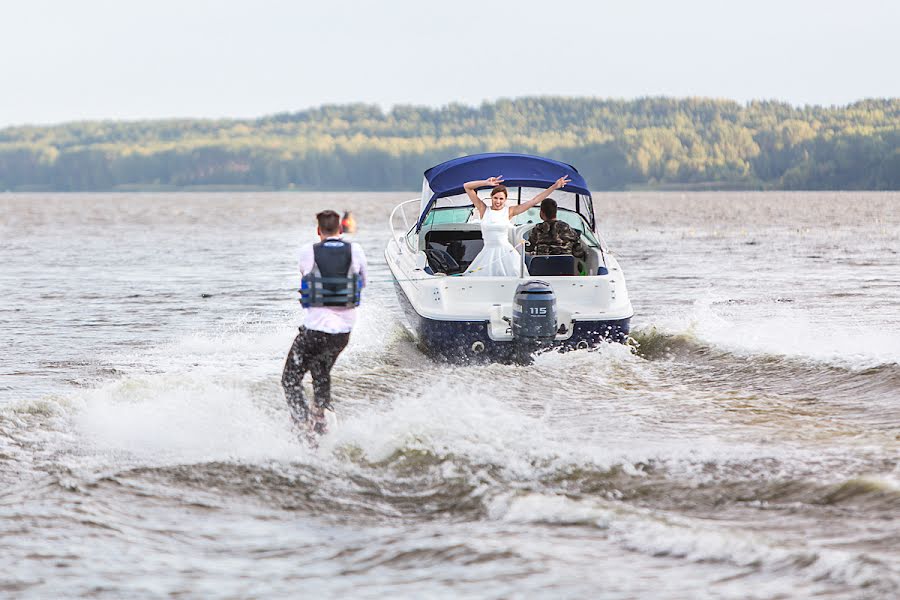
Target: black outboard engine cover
(534,312)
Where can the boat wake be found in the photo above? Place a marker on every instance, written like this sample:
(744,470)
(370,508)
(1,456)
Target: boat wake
(633,448)
(770,328)
(469,457)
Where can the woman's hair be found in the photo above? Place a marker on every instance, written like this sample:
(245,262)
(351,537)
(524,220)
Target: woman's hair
(500,188)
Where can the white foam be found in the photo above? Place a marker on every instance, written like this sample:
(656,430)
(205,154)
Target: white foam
(247,345)
(448,420)
(207,395)
(183,418)
(785,330)
(471,424)
(606,355)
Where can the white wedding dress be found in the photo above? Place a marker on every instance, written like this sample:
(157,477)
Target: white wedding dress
(498,258)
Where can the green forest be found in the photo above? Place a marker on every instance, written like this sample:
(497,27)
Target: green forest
(659,143)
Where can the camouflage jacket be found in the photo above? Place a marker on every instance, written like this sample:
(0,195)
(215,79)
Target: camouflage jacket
(555,237)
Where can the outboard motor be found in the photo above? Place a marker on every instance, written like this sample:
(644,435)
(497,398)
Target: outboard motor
(534,315)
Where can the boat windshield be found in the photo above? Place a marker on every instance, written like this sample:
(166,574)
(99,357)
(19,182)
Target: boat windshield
(565,200)
(466,214)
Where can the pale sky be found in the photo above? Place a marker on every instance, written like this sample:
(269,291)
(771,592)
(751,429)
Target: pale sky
(129,59)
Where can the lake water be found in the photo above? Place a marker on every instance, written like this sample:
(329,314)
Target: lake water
(746,445)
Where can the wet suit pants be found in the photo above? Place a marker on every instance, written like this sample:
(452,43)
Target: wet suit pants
(313,351)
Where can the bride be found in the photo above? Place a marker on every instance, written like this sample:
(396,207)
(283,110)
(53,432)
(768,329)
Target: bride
(499,258)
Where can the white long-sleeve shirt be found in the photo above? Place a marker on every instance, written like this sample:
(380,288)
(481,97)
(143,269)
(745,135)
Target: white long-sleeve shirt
(332,319)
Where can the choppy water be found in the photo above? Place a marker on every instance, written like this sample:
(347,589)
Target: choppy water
(747,449)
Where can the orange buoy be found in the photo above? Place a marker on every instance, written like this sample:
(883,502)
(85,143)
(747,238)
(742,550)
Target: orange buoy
(348,223)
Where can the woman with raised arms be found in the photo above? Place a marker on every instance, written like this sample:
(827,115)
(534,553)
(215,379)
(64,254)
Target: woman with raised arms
(499,258)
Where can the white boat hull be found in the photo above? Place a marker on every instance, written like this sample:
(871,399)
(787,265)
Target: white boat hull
(466,317)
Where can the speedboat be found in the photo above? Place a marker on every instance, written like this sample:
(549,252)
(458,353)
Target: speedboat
(557,301)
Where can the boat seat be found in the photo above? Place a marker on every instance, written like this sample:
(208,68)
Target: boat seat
(461,245)
(551,264)
(448,231)
(441,261)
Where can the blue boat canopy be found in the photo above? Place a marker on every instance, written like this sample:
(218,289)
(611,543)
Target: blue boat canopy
(518,170)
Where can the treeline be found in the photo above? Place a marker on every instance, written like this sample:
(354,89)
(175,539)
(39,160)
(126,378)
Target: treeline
(615,144)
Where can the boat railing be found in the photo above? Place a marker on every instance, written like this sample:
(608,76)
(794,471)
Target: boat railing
(396,238)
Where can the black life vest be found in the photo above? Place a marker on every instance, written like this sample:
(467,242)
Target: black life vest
(330,283)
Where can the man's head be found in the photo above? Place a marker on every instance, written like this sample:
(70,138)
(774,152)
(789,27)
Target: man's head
(548,209)
(329,224)
(498,197)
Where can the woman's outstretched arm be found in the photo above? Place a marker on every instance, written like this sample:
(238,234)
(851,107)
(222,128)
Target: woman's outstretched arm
(471,186)
(519,209)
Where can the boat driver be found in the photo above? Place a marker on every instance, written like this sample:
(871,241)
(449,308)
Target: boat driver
(552,236)
(334,272)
